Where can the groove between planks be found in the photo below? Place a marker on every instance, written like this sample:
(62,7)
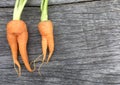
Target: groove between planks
(34,3)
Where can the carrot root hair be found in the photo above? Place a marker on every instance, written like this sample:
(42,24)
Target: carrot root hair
(18,71)
(36,60)
(39,72)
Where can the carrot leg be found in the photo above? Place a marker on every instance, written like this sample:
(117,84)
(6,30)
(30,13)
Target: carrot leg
(44,47)
(22,42)
(50,46)
(13,45)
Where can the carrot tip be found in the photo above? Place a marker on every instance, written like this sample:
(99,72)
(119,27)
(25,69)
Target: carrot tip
(18,71)
(47,62)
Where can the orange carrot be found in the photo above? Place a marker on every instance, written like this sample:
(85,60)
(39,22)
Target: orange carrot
(46,30)
(17,36)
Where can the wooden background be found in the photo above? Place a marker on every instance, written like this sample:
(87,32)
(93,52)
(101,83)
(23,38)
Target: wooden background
(87,43)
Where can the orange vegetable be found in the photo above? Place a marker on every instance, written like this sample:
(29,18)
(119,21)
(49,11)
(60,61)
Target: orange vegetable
(46,30)
(17,37)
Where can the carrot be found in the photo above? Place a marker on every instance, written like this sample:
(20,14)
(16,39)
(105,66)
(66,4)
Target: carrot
(45,28)
(17,36)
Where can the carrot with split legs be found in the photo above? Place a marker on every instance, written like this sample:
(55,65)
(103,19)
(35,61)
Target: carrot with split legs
(45,28)
(17,36)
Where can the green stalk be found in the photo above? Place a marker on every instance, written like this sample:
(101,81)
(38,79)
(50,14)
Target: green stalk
(19,6)
(44,10)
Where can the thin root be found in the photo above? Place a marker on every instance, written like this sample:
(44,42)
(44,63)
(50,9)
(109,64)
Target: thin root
(36,60)
(40,68)
(18,71)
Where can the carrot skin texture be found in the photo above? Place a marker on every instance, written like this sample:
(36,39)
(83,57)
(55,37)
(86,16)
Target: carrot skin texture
(44,47)
(46,31)
(17,37)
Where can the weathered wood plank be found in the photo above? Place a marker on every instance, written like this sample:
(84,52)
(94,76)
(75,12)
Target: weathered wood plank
(7,3)
(87,46)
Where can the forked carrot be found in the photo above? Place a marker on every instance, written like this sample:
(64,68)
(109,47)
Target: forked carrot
(17,36)
(45,28)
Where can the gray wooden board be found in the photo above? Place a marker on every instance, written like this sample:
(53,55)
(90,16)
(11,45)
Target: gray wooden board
(7,3)
(87,46)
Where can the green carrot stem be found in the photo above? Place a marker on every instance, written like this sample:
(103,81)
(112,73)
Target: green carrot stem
(18,8)
(44,10)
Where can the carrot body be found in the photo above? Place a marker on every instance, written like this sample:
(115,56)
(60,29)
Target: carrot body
(17,37)
(46,31)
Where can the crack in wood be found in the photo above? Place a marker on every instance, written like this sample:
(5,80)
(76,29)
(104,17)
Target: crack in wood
(74,2)
(51,4)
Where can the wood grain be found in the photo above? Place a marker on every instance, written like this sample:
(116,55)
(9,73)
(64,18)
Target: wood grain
(87,46)
(8,3)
